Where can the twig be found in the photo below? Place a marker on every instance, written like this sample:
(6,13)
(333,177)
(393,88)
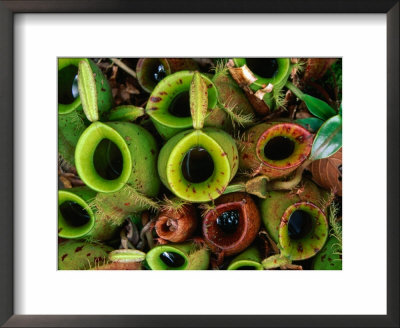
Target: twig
(146,231)
(135,234)
(124,67)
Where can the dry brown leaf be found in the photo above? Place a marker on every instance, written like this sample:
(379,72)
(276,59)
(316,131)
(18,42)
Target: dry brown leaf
(67,184)
(131,89)
(114,73)
(260,107)
(327,172)
(317,67)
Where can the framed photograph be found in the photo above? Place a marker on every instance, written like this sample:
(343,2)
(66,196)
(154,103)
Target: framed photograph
(109,223)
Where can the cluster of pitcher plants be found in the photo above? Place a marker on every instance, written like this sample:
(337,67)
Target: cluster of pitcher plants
(199,164)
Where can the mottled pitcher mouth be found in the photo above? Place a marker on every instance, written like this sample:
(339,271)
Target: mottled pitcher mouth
(303,231)
(102,158)
(284,146)
(167,108)
(75,217)
(183,174)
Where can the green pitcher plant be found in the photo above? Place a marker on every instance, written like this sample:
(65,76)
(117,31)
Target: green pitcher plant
(118,160)
(77,218)
(198,164)
(250,259)
(185,256)
(84,95)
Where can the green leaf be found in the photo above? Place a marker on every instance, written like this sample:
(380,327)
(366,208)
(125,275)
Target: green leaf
(328,139)
(299,94)
(318,107)
(87,91)
(340,110)
(125,113)
(310,123)
(198,100)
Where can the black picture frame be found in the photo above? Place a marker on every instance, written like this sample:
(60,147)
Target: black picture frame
(7,11)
